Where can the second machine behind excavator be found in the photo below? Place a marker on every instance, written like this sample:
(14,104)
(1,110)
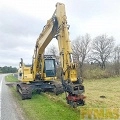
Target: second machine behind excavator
(40,76)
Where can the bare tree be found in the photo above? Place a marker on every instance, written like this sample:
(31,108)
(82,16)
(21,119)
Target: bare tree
(80,50)
(52,50)
(102,47)
(117,59)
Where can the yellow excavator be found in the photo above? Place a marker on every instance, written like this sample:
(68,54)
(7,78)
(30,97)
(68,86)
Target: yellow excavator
(41,75)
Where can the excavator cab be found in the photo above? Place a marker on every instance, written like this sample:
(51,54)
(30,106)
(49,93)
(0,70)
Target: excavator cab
(50,67)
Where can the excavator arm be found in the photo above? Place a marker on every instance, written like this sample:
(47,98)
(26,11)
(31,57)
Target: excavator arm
(71,82)
(68,67)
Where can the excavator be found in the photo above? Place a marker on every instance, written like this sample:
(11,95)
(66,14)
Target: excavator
(41,75)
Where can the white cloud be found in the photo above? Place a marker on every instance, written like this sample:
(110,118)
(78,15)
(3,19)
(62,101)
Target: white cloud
(42,9)
(21,22)
(100,25)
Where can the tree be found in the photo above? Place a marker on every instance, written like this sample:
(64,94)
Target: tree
(117,59)
(80,50)
(102,47)
(6,69)
(52,50)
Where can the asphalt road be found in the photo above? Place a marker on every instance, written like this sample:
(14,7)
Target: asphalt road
(9,109)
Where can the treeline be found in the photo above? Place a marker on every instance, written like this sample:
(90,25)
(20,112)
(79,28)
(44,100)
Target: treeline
(97,57)
(7,69)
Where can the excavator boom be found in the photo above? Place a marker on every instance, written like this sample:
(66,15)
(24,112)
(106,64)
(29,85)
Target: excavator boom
(44,39)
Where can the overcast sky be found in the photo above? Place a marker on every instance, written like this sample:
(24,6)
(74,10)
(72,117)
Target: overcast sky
(21,22)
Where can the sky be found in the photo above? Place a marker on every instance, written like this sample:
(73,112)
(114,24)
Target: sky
(21,22)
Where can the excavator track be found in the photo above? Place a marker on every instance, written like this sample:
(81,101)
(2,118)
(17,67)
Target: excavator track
(58,88)
(25,90)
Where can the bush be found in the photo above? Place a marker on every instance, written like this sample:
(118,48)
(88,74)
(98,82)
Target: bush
(96,73)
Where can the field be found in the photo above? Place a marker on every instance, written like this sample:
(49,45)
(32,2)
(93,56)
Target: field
(103,98)
(102,102)
(110,88)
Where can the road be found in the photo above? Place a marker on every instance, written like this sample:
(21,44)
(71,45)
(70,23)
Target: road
(9,109)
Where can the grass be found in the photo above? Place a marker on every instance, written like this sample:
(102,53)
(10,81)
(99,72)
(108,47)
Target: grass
(44,107)
(48,106)
(11,78)
(103,108)
(48,109)
(110,88)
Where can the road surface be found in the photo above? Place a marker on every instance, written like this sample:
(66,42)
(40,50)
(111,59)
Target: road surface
(9,109)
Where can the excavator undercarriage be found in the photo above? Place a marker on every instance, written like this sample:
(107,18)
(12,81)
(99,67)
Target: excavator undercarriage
(26,89)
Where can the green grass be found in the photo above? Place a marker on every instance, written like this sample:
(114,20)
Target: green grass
(44,107)
(11,78)
(51,107)
(48,109)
